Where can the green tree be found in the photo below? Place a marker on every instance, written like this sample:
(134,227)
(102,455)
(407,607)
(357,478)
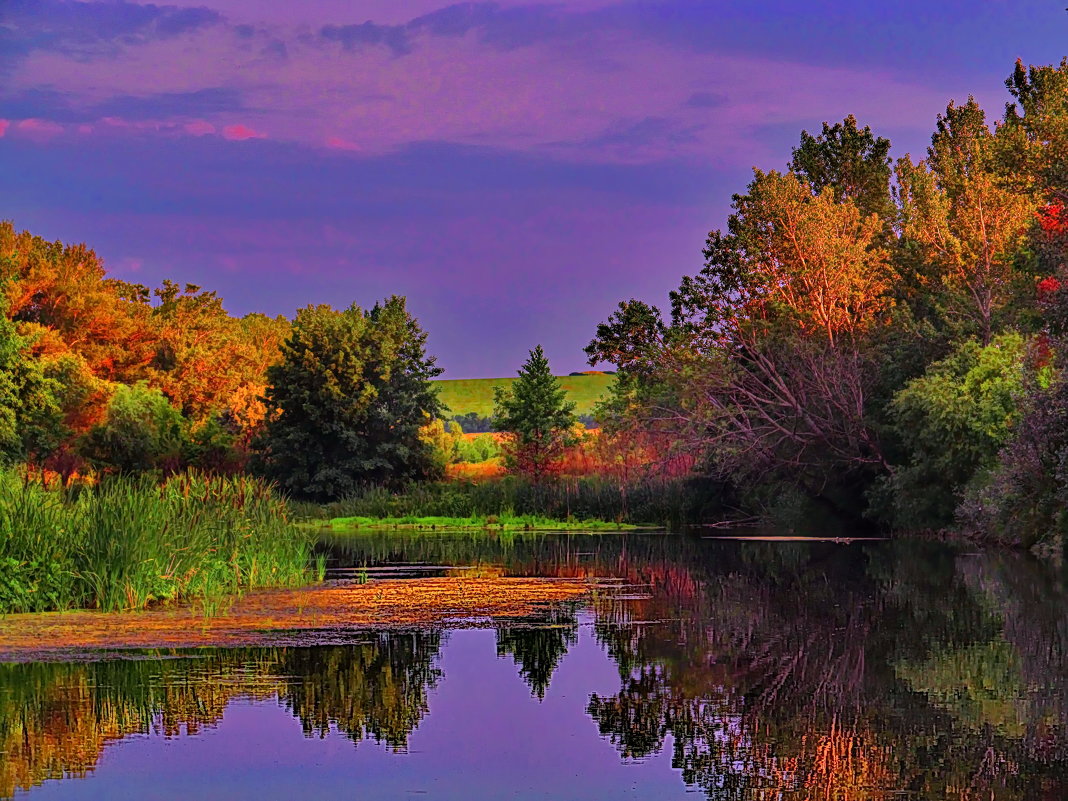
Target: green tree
(953,420)
(142,431)
(535,412)
(852,162)
(31,420)
(346,403)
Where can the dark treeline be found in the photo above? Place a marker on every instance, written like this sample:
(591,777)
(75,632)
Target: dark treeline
(882,338)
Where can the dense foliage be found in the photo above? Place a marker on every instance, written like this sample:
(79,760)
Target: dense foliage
(884,338)
(346,403)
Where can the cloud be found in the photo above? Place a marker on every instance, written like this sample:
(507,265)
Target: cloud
(337,143)
(86,30)
(706,100)
(39,128)
(368,34)
(199,128)
(4,125)
(163,105)
(241,132)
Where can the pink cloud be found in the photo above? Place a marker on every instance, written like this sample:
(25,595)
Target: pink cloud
(338,143)
(38,127)
(3,127)
(199,128)
(241,132)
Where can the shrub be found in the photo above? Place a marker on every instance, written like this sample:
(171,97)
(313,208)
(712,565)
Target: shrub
(952,421)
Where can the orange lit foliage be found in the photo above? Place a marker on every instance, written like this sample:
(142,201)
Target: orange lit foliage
(92,332)
(814,259)
(967,223)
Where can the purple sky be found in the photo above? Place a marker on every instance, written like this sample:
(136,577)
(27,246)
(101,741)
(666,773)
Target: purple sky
(514,168)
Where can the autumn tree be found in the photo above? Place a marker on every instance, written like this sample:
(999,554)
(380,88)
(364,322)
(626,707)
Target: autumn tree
(964,221)
(64,288)
(537,417)
(852,162)
(767,340)
(347,400)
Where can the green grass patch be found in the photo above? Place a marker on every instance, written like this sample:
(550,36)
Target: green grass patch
(466,395)
(129,543)
(476,523)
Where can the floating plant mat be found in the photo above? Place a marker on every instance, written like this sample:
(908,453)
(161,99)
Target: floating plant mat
(312,615)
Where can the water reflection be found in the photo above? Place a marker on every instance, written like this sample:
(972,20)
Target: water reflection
(765,671)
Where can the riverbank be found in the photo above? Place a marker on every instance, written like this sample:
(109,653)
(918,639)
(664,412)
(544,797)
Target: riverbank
(489,523)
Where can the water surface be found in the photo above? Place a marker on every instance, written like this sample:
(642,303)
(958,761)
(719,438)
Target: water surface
(726,670)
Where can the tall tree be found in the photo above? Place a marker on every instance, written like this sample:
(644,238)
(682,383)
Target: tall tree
(1035,132)
(345,404)
(852,162)
(964,221)
(537,416)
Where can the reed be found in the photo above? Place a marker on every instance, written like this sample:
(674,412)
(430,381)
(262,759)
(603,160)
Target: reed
(651,501)
(131,542)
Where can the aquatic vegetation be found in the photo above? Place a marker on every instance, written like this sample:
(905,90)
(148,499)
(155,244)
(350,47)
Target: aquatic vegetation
(306,615)
(646,501)
(477,522)
(130,542)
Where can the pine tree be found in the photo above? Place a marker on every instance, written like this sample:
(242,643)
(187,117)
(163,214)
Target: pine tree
(537,417)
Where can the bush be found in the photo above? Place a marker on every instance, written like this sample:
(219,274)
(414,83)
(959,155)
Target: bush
(142,431)
(653,501)
(952,421)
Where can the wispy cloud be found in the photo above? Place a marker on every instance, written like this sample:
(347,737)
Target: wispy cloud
(241,132)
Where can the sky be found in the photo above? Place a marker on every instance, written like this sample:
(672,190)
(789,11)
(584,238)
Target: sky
(514,168)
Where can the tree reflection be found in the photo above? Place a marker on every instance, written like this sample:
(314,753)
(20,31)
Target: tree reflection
(376,690)
(538,647)
(56,719)
(836,674)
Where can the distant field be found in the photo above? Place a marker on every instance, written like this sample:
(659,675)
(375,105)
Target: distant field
(476,394)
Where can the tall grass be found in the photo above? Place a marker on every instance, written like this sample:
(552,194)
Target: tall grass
(666,502)
(130,542)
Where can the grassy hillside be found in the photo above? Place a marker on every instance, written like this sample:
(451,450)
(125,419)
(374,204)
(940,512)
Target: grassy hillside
(476,394)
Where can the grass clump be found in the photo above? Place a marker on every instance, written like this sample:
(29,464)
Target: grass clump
(477,522)
(130,542)
(663,502)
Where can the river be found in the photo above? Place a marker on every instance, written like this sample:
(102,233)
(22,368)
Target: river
(697,668)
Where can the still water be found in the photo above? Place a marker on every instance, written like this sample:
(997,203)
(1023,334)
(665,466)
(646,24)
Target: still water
(700,668)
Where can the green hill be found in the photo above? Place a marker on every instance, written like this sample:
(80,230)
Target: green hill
(476,394)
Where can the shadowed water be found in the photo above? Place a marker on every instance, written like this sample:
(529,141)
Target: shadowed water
(726,670)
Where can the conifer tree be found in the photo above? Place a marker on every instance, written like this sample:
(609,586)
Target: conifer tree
(535,413)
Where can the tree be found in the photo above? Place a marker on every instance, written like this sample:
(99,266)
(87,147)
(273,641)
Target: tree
(964,221)
(345,404)
(1035,132)
(31,419)
(537,417)
(852,163)
(952,421)
(142,431)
